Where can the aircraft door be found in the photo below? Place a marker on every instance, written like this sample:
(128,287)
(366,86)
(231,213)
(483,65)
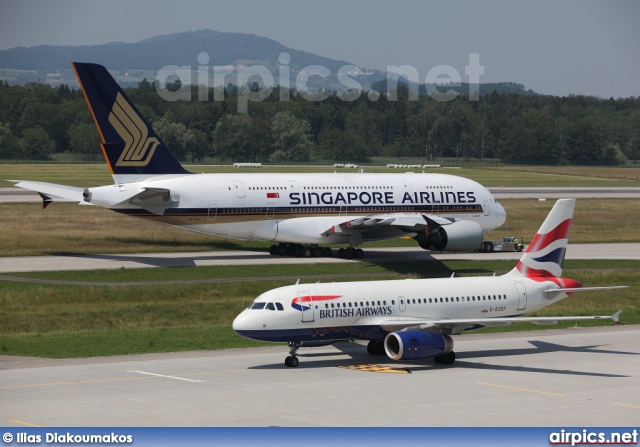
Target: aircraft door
(239,189)
(273,200)
(522,296)
(212,213)
(304,303)
(485,207)
(402,303)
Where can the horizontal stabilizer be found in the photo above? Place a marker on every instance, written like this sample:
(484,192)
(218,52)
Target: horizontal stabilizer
(553,292)
(61,193)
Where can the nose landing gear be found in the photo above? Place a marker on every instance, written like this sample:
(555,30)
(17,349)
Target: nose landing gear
(292,361)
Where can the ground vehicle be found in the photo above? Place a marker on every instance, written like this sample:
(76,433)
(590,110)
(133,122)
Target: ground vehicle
(508,243)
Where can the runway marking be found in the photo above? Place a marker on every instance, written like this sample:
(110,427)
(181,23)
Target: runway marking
(165,376)
(71,383)
(626,405)
(521,389)
(115,379)
(24,423)
(377,368)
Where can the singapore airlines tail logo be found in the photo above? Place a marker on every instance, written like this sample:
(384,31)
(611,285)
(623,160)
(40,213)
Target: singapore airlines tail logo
(139,148)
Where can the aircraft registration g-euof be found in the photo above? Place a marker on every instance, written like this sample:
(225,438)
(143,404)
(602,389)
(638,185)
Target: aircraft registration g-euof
(298,211)
(414,319)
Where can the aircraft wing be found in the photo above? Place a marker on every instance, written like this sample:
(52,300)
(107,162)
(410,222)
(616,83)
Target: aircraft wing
(407,222)
(455,326)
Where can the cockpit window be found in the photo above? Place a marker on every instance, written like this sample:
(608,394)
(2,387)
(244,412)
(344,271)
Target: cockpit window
(258,305)
(279,306)
(270,306)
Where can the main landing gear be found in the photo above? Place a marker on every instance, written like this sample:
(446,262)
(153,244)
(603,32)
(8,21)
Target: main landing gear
(376,347)
(292,361)
(313,251)
(445,359)
(351,253)
(301,251)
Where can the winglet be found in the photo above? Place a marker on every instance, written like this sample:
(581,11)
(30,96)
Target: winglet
(616,317)
(46,200)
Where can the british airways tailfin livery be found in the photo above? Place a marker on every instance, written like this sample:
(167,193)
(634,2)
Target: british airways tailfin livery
(415,319)
(297,212)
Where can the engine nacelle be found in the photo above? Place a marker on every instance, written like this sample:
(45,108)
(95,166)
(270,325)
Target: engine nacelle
(461,235)
(416,345)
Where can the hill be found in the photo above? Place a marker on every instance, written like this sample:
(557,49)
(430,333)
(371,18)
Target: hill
(133,61)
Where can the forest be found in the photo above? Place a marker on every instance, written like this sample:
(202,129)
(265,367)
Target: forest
(37,122)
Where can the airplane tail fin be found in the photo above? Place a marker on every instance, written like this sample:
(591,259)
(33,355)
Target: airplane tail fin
(544,256)
(130,146)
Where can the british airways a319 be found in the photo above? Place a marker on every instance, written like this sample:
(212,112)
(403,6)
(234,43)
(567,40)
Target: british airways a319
(415,319)
(297,212)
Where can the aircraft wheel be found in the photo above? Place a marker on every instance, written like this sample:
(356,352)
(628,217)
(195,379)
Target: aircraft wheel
(489,248)
(273,250)
(341,253)
(445,359)
(349,253)
(327,252)
(379,348)
(306,252)
(359,254)
(317,252)
(291,361)
(282,250)
(371,347)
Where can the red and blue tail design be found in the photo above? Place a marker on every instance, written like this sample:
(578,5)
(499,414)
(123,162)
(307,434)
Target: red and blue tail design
(544,257)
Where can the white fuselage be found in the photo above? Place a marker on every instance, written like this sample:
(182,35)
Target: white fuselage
(328,311)
(304,207)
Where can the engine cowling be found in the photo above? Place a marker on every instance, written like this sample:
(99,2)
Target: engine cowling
(416,345)
(461,235)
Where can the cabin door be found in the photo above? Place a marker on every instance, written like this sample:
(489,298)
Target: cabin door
(522,296)
(304,303)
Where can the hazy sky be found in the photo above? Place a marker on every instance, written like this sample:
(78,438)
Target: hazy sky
(554,47)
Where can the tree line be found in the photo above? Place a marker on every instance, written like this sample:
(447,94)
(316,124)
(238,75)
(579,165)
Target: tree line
(37,121)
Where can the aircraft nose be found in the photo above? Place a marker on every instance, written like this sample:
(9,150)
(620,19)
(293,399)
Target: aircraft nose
(242,322)
(502,214)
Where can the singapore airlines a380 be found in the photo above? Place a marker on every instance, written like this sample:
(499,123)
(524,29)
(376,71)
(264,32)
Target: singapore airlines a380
(297,212)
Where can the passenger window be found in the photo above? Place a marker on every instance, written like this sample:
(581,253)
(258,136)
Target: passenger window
(258,306)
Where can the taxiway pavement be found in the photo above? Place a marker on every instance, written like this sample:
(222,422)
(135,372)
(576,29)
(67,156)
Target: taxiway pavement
(394,254)
(564,377)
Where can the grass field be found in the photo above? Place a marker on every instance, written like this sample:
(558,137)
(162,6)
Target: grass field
(55,320)
(89,175)
(65,228)
(59,321)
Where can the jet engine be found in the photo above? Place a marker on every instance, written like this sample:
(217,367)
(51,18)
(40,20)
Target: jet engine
(416,345)
(461,235)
